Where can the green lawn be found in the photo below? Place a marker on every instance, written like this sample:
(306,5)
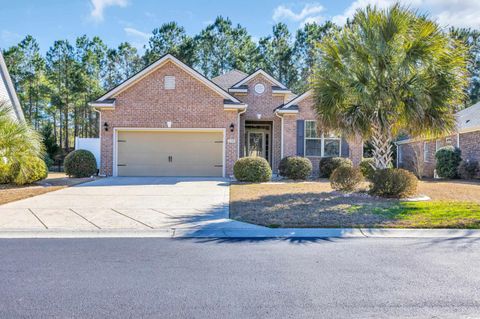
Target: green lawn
(316,205)
(435,214)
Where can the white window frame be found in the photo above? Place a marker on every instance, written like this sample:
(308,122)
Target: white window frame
(426,152)
(322,139)
(400,154)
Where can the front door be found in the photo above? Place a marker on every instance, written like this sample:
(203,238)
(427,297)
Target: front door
(256,144)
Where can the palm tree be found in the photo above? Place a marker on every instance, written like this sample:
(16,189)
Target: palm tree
(18,144)
(389,71)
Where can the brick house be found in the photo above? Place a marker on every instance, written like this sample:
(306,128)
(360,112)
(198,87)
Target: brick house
(169,120)
(418,155)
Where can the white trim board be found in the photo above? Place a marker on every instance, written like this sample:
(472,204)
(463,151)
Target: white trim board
(254,74)
(298,99)
(149,129)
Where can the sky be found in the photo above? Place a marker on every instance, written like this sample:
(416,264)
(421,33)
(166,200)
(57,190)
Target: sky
(116,21)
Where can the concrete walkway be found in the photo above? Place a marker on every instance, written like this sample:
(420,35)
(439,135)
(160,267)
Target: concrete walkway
(125,204)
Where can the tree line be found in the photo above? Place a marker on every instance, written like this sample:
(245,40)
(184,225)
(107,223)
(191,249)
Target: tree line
(55,88)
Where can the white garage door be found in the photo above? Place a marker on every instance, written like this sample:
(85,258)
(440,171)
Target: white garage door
(168,153)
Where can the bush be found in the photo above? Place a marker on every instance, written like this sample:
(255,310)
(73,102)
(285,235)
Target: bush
(80,163)
(295,167)
(346,178)
(448,158)
(367,168)
(48,161)
(32,170)
(252,169)
(393,182)
(329,164)
(468,169)
(7,172)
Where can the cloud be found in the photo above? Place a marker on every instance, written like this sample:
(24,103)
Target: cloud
(98,6)
(136,33)
(309,14)
(458,13)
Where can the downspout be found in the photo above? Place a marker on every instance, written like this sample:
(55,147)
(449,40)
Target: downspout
(396,145)
(238,130)
(458,140)
(100,137)
(281,134)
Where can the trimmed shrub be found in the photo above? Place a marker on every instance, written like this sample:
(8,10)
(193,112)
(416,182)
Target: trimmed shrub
(32,170)
(448,158)
(346,178)
(7,172)
(468,169)
(393,182)
(80,163)
(252,169)
(295,167)
(367,168)
(329,164)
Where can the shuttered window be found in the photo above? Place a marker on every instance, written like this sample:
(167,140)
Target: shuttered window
(320,144)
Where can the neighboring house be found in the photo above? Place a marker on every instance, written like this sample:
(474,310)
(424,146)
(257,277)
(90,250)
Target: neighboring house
(7,91)
(169,120)
(419,155)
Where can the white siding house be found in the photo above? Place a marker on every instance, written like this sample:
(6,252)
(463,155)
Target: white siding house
(7,91)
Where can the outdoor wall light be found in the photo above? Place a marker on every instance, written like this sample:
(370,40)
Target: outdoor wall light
(105,126)
(232,127)
(259,116)
(169,124)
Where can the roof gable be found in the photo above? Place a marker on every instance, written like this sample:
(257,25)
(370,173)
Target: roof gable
(270,78)
(225,81)
(469,119)
(7,91)
(293,102)
(159,63)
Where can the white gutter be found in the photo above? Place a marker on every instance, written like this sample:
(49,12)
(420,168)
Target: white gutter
(238,131)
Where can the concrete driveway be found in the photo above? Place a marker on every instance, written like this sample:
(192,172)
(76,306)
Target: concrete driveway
(125,203)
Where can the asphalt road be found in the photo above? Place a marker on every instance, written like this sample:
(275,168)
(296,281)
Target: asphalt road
(220,278)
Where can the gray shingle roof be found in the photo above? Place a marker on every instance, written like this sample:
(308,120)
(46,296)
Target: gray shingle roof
(469,118)
(7,91)
(225,81)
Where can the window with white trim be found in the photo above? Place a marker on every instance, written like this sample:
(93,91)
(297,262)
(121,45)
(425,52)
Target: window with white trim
(320,144)
(400,153)
(426,152)
(169,82)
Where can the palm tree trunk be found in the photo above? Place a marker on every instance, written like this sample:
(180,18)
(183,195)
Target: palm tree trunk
(382,147)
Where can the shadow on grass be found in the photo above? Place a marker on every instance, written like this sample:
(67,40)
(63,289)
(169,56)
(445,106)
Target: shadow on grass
(326,209)
(357,210)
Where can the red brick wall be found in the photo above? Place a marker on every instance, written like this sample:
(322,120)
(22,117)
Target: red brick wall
(469,144)
(306,112)
(263,104)
(190,105)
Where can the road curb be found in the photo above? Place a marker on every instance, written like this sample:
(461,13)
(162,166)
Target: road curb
(257,232)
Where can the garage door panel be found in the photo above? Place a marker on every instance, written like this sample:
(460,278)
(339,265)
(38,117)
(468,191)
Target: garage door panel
(154,153)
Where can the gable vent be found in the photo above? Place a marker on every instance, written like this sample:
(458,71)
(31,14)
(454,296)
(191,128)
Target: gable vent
(169,82)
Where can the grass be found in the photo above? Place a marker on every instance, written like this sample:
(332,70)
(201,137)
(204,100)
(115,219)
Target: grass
(456,204)
(54,181)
